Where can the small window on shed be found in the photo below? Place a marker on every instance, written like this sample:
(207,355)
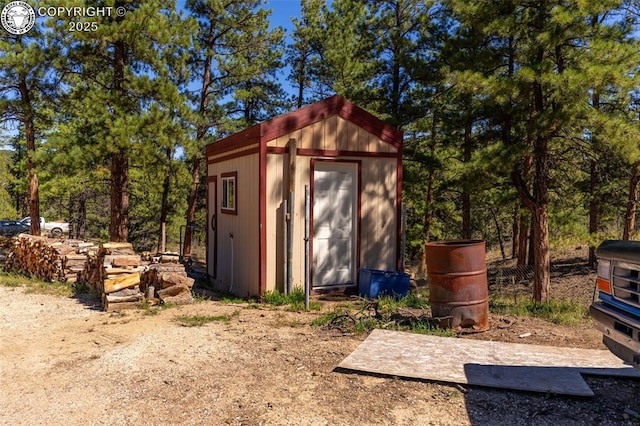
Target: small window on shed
(229,193)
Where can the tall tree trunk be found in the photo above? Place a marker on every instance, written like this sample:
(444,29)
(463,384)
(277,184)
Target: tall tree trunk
(192,202)
(201,131)
(164,204)
(466,191)
(632,203)
(506,139)
(301,84)
(499,231)
(526,234)
(428,205)
(395,77)
(119,223)
(523,237)
(30,136)
(594,208)
(542,266)
(249,112)
(34,201)
(531,260)
(594,191)
(540,208)
(538,202)
(428,217)
(82,216)
(515,231)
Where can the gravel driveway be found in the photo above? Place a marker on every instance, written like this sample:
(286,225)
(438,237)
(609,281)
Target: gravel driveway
(64,362)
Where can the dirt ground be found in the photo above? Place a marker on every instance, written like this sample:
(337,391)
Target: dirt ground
(63,361)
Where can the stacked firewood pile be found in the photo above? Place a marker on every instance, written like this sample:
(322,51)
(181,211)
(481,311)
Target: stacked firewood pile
(114,273)
(5,245)
(117,274)
(124,280)
(167,281)
(47,259)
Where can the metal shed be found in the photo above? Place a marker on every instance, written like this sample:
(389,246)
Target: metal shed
(352,164)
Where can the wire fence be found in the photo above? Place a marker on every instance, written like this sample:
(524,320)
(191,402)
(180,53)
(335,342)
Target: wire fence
(571,278)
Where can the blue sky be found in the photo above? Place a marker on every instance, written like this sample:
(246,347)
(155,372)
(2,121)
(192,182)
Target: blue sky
(282,11)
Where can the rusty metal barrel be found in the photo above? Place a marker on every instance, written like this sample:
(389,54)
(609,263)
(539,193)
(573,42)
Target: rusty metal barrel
(458,290)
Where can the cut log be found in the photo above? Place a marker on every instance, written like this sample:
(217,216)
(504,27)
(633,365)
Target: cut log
(167,267)
(173,291)
(117,246)
(75,262)
(133,291)
(111,272)
(169,258)
(122,260)
(73,256)
(119,299)
(151,293)
(115,306)
(118,283)
(171,279)
(177,294)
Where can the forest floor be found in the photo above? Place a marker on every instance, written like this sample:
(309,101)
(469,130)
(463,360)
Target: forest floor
(63,361)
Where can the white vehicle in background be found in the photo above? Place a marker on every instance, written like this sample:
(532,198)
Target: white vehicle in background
(55,229)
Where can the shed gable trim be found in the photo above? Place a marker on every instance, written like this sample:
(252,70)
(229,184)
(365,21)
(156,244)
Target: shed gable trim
(232,155)
(303,117)
(236,141)
(335,105)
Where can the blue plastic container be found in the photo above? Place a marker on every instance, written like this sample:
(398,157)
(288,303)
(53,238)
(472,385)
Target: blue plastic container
(373,283)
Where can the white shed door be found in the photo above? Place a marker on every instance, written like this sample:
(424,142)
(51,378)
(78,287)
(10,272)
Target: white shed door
(334,223)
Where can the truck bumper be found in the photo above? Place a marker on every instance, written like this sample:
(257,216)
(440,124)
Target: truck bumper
(621,333)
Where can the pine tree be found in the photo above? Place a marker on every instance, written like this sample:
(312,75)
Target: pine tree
(395,28)
(347,64)
(28,84)
(7,208)
(130,69)
(255,66)
(304,54)
(222,65)
(555,64)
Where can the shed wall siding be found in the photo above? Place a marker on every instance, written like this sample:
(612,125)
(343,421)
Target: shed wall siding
(379,214)
(244,226)
(275,190)
(303,176)
(302,179)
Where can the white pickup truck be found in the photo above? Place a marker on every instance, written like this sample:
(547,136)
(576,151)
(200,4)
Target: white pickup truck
(56,229)
(616,306)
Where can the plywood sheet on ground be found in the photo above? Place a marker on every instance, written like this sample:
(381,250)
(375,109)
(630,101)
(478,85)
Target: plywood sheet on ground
(485,363)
